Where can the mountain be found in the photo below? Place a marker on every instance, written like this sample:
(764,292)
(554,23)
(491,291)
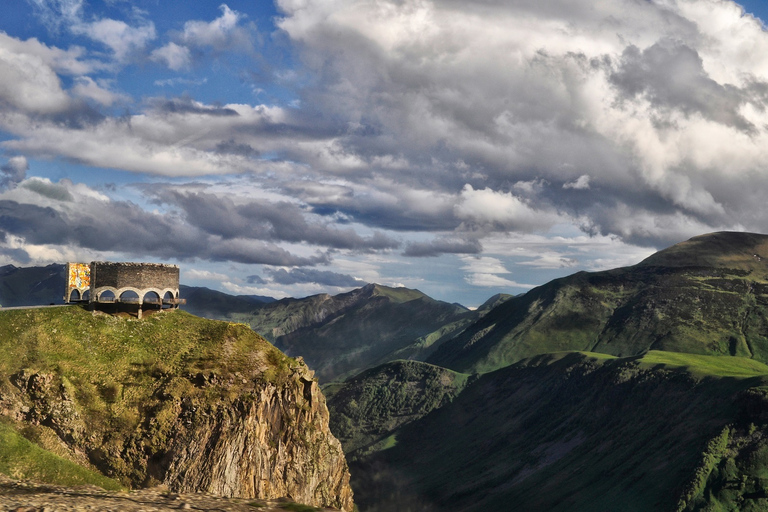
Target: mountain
(339,335)
(214,304)
(355,330)
(32,286)
(708,295)
(196,405)
(561,432)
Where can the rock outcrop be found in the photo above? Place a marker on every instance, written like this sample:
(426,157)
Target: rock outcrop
(274,442)
(242,420)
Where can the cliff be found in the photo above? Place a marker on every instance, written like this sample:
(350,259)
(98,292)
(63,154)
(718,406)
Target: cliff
(197,405)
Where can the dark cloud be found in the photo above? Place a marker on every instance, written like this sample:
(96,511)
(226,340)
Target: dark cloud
(13,171)
(442,245)
(121,226)
(671,75)
(231,147)
(308,275)
(54,191)
(185,105)
(255,279)
(263,220)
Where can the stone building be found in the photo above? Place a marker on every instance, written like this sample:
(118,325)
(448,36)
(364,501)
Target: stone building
(137,284)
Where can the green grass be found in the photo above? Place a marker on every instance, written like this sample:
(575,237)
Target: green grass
(22,459)
(117,372)
(719,366)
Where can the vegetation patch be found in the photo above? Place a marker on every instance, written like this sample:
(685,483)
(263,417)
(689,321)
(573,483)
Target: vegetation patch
(22,459)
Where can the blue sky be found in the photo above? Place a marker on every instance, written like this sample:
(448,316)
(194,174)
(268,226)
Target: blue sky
(309,146)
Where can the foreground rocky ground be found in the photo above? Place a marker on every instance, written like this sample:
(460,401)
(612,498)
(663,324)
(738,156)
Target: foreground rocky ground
(24,496)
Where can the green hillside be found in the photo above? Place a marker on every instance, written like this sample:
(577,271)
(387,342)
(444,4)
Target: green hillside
(706,296)
(23,459)
(583,432)
(110,386)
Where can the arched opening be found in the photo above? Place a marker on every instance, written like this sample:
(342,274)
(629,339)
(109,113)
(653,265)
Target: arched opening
(87,295)
(151,298)
(74,296)
(107,296)
(130,297)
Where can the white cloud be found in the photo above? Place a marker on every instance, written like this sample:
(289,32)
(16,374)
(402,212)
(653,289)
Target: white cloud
(502,210)
(203,275)
(487,271)
(219,33)
(86,87)
(121,38)
(582,183)
(28,83)
(174,56)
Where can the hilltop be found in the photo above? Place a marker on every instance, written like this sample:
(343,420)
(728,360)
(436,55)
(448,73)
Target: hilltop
(195,404)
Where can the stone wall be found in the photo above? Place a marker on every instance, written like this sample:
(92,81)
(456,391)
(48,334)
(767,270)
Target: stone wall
(134,275)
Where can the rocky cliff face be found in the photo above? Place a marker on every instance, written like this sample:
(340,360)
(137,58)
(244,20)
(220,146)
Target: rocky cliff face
(240,421)
(274,442)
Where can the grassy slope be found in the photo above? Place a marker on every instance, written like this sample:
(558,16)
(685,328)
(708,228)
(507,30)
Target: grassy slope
(113,367)
(668,302)
(22,459)
(568,431)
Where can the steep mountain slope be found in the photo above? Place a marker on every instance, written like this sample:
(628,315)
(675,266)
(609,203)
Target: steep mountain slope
(199,405)
(708,295)
(582,432)
(370,407)
(342,334)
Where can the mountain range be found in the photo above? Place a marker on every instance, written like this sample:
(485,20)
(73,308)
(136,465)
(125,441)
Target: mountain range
(638,388)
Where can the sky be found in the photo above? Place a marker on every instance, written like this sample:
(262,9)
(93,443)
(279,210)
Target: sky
(312,146)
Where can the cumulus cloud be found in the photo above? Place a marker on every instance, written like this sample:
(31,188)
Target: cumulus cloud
(29,83)
(501,210)
(221,33)
(124,40)
(174,56)
(622,93)
(450,121)
(582,183)
(225,33)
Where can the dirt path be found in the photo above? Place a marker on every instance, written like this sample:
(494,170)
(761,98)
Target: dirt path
(22,496)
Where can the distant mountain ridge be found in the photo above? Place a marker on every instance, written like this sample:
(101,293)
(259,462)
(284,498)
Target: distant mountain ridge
(32,286)
(342,334)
